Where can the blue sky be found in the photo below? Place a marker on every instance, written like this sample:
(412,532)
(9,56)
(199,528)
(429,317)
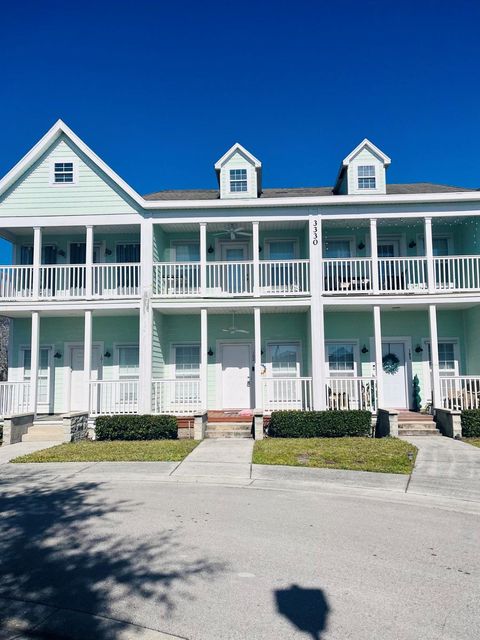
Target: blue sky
(160,90)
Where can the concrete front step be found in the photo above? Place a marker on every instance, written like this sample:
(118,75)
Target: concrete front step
(44,432)
(418,429)
(228,430)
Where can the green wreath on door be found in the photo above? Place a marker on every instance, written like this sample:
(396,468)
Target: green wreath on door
(390,363)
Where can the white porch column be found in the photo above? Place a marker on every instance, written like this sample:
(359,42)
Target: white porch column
(429,255)
(204,359)
(377,328)
(374,254)
(203,258)
(87,355)
(257,320)
(317,329)
(436,391)
(146,317)
(256,258)
(37,260)
(34,360)
(88,261)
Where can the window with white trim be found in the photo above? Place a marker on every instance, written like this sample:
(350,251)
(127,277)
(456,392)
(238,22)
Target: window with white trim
(366,177)
(63,172)
(187,251)
(238,180)
(187,360)
(285,359)
(43,372)
(447,358)
(337,249)
(281,249)
(341,358)
(128,357)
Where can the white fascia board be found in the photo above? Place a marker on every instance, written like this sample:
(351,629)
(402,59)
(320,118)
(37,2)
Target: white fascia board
(237,147)
(314,201)
(59,307)
(366,143)
(44,143)
(228,303)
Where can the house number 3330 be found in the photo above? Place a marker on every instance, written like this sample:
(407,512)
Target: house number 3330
(315,233)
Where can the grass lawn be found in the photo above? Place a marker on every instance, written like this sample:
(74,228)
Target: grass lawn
(386,455)
(114,451)
(474,441)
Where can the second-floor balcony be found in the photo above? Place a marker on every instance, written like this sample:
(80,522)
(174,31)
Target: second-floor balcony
(243,278)
(70,281)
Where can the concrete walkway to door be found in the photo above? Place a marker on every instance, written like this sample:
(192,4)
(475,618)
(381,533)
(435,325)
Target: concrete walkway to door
(445,467)
(217,459)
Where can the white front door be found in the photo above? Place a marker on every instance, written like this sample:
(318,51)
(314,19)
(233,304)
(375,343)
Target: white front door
(78,391)
(236,376)
(395,394)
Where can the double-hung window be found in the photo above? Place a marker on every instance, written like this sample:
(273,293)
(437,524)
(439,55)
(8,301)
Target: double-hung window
(128,371)
(283,387)
(238,180)
(187,374)
(366,177)
(447,358)
(63,173)
(341,359)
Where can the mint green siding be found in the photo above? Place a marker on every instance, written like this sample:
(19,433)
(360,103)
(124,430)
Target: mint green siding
(94,192)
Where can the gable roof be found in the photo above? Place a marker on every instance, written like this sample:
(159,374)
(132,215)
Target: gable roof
(237,147)
(46,142)
(365,143)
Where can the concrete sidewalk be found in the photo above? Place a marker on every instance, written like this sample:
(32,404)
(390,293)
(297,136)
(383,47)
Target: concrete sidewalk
(11,451)
(445,467)
(219,458)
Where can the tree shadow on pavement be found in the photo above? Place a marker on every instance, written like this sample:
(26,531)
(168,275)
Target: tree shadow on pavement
(61,546)
(306,609)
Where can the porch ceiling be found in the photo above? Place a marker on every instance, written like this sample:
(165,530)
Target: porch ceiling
(214,227)
(451,306)
(230,309)
(73,230)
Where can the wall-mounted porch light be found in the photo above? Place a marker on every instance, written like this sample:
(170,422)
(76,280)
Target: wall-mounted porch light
(361,246)
(108,252)
(418,349)
(62,253)
(364,349)
(412,244)
(210,352)
(107,354)
(210,249)
(57,355)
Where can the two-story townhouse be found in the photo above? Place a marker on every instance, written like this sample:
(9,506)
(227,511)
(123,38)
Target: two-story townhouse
(235,298)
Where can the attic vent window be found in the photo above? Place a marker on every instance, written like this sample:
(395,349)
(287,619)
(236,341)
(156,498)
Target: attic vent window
(238,180)
(63,172)
(366,177)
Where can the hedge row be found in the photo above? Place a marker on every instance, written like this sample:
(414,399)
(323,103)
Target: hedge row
(470,423)
(319,424)
(136,428)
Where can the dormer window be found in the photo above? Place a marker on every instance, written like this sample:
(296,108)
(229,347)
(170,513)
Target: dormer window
(366,177)
(63,173)
(238,180)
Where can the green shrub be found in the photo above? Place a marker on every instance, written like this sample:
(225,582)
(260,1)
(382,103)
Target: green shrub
(319,424)
(136,428)
(471,423)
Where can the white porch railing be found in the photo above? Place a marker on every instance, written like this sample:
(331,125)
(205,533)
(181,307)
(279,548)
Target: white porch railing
(62,281)
(402,275)
(178,397)
(176,279)
(352,275)
(229,278)
(457,273)
(460,392)
(284,277)
(351,393)
(14,397)
(287,394)
(16,282)
(116,280)
(113,396)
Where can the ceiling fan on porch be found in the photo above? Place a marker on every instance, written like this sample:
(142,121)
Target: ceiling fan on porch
(233,329)
(231,231)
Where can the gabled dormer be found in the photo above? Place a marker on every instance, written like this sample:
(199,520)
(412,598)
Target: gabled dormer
(239,174)
(363,171)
